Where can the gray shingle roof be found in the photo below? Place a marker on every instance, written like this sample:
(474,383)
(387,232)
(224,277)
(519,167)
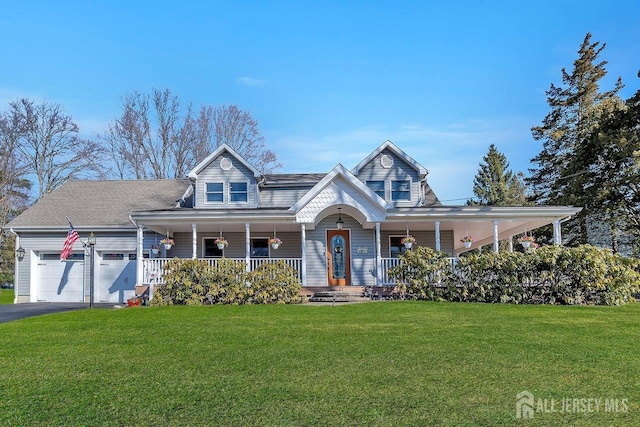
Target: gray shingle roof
(104,203)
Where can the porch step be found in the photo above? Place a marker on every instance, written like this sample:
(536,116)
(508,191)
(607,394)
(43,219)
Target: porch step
(338,296)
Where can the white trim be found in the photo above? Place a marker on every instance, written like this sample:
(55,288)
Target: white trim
(303,273)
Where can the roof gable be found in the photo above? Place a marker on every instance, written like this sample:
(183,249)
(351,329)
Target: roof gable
(388,145)
(336,173)
(193,174)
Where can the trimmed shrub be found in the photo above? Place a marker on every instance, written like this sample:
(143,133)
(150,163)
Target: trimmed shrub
(551,274)
(274,283)
(422,274)
(195,282)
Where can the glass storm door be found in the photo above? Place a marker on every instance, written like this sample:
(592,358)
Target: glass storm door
(338,258)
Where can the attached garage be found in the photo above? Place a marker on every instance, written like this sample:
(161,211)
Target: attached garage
(60,281)
(116,277)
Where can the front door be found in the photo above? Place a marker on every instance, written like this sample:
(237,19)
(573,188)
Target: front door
(338,258)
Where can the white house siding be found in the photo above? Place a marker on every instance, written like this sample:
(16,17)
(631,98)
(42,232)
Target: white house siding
(400,170)
(281,197)
(237,173)
(362,264)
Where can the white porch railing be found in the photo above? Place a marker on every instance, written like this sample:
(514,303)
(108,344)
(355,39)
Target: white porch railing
(153,267)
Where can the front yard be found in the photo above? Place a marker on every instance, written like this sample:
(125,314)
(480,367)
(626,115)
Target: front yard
(380,363)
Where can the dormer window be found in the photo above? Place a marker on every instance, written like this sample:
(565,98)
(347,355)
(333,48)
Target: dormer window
(215,192)
(401,190)
(377,187)
(238,192)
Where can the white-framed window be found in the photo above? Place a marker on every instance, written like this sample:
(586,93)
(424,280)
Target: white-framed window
(215,192)
(238,192)
(401,190)
(210,249)
(377,187)
(395,247)
(260,247)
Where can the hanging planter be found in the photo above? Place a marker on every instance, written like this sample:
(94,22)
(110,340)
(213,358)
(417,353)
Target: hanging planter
(155,249)
(221,242)
(526,241)
(408,241)
(275,242)
(467,241)
(167,242)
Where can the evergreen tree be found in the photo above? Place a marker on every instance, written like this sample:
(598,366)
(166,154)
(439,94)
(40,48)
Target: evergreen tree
(575,111)
(495,184)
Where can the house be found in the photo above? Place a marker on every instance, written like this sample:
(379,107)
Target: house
(343,228)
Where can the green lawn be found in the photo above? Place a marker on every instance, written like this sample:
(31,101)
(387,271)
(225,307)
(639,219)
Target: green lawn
(381,363)
(6,296)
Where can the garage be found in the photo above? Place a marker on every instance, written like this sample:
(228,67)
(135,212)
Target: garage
(116,277)
(61,281)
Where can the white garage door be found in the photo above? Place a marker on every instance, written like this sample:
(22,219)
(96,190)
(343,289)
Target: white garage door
(117,281)
(61,281)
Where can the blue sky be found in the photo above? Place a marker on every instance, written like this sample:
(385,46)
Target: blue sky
(328,81)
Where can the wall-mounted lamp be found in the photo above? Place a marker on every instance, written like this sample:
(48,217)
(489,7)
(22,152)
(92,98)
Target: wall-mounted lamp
(20,252)
(339,222)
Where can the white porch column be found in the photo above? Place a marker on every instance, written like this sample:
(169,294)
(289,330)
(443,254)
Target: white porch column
(303,266)
(139,256)
(378,255)
(510,243)
(194,241)
(437,235)
(557,234)
(247,245)
(496,246)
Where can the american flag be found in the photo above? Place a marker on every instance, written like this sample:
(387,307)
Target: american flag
(72,236)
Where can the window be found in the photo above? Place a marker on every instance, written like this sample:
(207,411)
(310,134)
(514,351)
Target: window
(238,191)
(112,257)
(215,192)
(260,248)
(56,257)
(377,187)
(211,249)
(395,247)
(401,190)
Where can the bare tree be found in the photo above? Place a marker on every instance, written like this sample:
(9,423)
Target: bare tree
(14,187)
(239,130)
(49,143)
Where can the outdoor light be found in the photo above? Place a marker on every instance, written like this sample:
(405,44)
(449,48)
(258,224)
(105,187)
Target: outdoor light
(20,253)
(92,239)
(339,222)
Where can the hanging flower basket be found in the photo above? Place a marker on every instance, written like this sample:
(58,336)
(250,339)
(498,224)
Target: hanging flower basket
(275,242)
(467,241)
(526,241)
(167,242)
(155,249)
(408,241)
(221,242)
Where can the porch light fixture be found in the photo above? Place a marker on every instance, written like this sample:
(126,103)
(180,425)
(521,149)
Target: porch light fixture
(20,253)
(339,222)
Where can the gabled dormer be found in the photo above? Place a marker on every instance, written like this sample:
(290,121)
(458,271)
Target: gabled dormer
(396,177)
(224,180)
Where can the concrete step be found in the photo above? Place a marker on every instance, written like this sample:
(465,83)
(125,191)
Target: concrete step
(338,296)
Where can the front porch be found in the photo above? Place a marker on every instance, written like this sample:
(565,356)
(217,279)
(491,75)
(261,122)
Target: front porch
(154,269)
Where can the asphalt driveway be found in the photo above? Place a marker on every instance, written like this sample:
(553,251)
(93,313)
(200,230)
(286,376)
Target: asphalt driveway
(9,312)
